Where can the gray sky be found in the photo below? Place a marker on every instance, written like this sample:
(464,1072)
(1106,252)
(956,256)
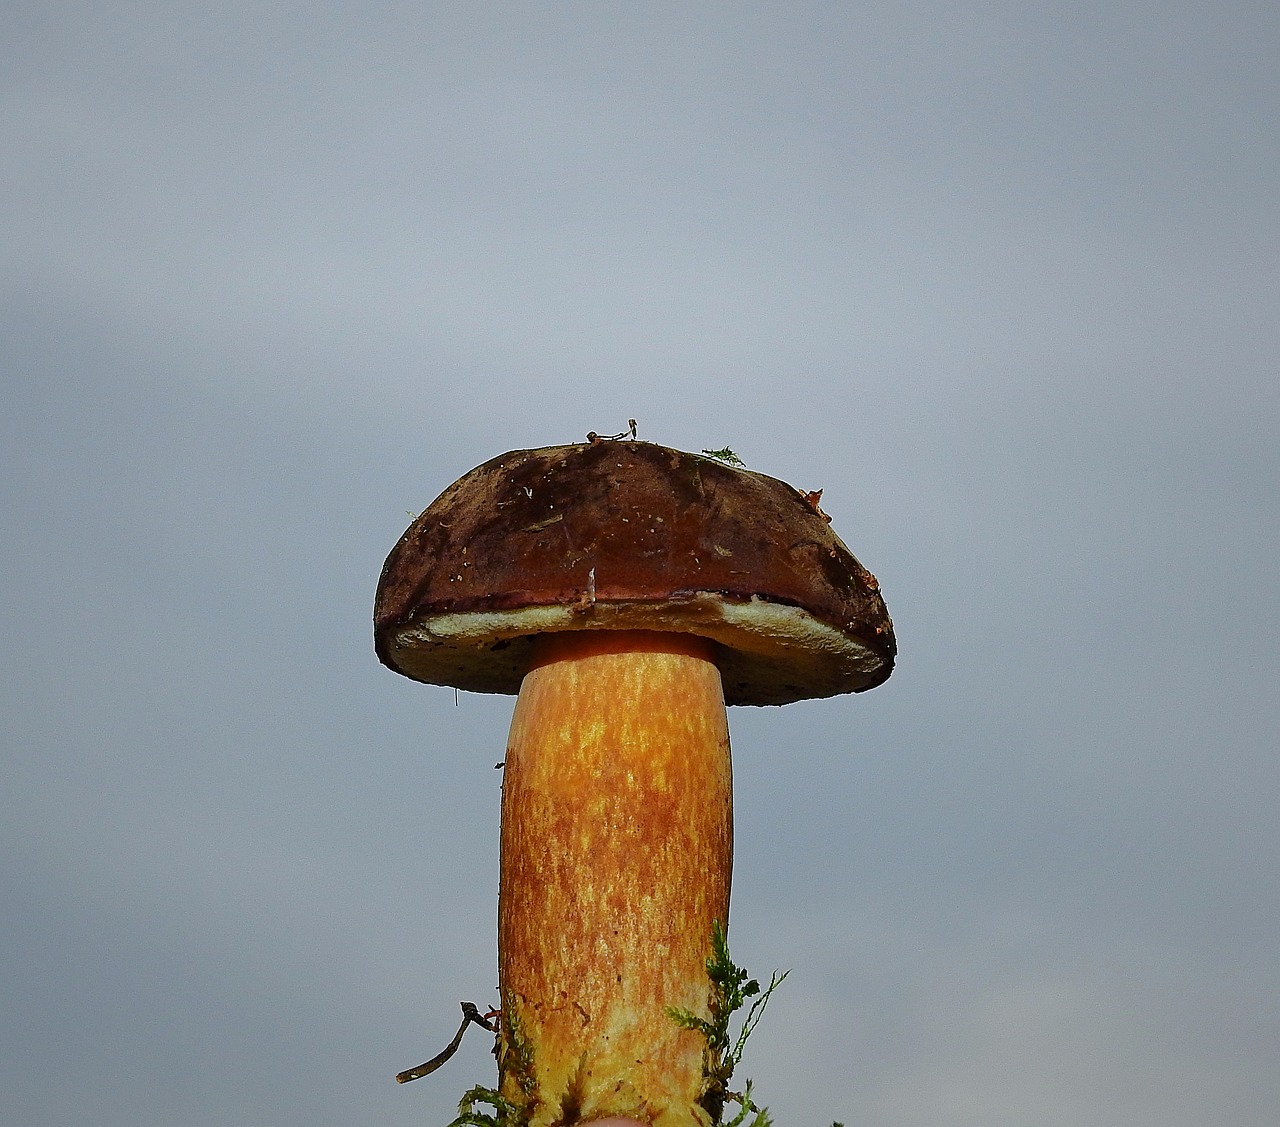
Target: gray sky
(1002,279)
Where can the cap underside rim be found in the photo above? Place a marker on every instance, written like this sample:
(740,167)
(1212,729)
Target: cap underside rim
(770,653)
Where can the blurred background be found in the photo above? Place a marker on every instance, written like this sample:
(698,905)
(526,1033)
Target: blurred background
(1002,279)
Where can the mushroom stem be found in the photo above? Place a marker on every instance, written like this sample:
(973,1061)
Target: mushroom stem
(617,845)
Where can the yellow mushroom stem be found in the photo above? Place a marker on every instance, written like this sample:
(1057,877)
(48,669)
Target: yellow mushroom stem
(617,846)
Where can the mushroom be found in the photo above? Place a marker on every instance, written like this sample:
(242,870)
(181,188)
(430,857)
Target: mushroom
(626,592)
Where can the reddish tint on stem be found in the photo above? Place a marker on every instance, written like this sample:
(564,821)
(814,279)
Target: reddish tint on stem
(617,846)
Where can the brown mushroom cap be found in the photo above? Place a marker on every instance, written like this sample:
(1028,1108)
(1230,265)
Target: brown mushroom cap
(618,535)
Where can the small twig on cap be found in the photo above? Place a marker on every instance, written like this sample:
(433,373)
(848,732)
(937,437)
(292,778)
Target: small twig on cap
(630,432)
(469,1014)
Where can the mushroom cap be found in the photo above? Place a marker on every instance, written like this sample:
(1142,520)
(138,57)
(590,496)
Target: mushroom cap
(626,535)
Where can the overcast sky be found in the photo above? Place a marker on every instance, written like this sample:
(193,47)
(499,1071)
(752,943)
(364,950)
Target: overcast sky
(1002,279)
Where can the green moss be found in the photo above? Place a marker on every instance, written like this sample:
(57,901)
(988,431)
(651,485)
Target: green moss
(514,1053)
(727,456)
(731,990)
(504,1113)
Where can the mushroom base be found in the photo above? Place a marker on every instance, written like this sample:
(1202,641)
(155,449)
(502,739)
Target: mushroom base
(617,843)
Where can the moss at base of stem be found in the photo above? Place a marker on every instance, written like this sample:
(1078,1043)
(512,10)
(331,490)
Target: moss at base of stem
(731,987)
